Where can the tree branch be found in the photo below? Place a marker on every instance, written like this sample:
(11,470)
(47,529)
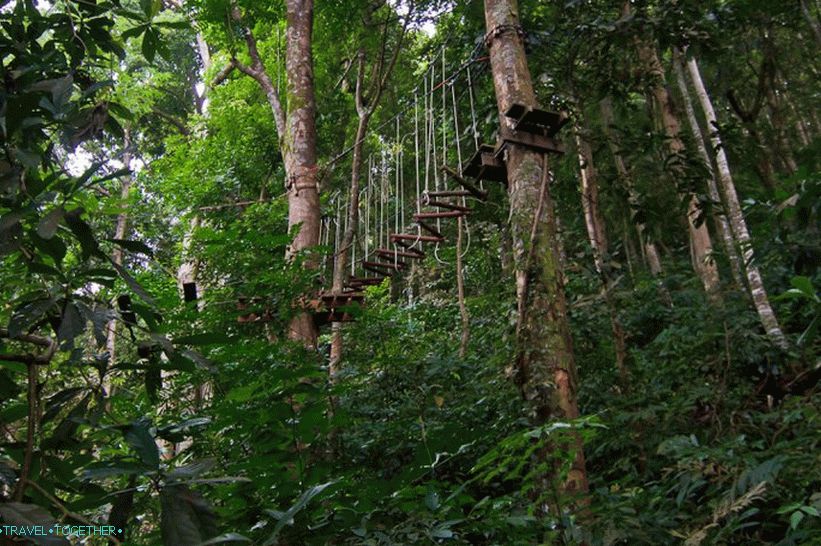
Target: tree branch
(258,72)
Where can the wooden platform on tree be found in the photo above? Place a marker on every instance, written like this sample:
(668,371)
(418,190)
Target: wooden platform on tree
(536,120)
(485,165)
(540,143)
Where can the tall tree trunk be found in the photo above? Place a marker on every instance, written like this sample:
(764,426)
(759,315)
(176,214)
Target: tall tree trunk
(544,354)
(299,149)
(347,240)
(812,20)
(720,217)
(650,251)
(737,222)
(700,240)
(366,100)
(597,235)
(777,117)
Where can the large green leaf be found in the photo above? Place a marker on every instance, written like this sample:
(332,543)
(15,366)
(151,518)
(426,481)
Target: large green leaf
(29,515)
(186,517)
(138,436)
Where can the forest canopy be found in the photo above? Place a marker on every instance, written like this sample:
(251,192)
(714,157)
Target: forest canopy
(379,272)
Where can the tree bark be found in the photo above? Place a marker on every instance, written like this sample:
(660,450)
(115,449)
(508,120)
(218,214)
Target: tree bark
(544,354)
(720,218)
(700,240)
(737,222)
(299,149)
(597,235)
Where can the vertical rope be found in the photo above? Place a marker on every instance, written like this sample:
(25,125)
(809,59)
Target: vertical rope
(456,129)
(472,111)
(416,147)
(444,112)
(368,211)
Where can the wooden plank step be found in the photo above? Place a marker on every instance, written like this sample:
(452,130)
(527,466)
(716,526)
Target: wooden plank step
(446,205)
(429,228)
(452,193)
(434,215)
(486,165)
(385,265)
(409,237)
(365,281)
(537,142)
(388,253)
(477,193)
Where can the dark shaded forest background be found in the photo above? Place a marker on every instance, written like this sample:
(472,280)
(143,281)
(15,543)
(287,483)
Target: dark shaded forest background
(141,151)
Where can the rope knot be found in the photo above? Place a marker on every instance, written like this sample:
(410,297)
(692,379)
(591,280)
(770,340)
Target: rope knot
(498,30)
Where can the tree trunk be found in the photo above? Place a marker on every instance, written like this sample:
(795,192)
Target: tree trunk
(812,21)
(737,222)
(720,218)
(544,354)
(700,240)
(597,235)
(299,150)
(650,251)
(342,251)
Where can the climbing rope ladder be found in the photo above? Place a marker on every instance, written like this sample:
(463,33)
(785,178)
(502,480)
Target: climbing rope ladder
(394,231)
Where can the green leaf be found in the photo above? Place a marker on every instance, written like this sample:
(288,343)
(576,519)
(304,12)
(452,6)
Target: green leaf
(132,283)
(288,517)
(49,223)
(795,519)
(108,469)
(186,517)
(227,537)
(83,232)
(72,323)
(142,442)
(133,246)
(151,42)
(29,515)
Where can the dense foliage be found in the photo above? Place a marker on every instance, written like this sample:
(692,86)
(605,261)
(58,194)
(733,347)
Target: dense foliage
(130,154)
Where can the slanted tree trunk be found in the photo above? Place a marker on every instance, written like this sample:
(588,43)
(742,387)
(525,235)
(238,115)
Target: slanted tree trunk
(737,222)
(597,235)
(720,217)
(366,97)
(650,251)
(700,240)
(544,363)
